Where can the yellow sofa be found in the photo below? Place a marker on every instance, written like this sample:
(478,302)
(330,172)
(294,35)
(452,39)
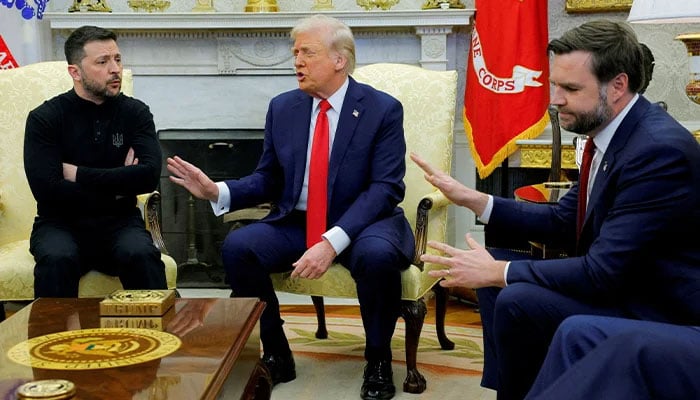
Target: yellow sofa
(21,90)
(428,99)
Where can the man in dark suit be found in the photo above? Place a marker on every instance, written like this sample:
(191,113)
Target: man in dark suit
(593,357)
(364,229)
(634,251)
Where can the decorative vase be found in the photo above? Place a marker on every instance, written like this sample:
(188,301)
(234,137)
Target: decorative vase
(692,43)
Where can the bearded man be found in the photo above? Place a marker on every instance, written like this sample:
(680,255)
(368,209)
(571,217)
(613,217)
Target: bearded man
(628,224)
(87,154)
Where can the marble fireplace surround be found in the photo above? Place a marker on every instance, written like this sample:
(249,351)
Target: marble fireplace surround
(219,70)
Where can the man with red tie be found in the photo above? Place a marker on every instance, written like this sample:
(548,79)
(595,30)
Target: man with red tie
(333,164)
(630,223)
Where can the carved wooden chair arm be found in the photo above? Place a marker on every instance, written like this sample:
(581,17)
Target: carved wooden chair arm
(431,201)
(149,203)
(244,216)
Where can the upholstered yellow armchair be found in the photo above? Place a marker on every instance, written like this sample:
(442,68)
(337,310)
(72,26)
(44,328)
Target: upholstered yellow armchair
(21,90)
(428,99)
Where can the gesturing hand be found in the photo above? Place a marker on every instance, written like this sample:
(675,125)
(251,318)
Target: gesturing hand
(474,268)
(192,179)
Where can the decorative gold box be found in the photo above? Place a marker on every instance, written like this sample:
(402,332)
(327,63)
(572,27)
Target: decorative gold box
(158,323)
(137,303)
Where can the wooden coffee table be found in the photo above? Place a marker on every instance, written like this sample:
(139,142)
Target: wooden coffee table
(219,356)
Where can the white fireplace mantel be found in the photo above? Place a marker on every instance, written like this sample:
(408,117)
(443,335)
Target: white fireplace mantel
(242,20)
(271,29)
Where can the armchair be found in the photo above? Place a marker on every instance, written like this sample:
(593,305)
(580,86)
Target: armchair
(428,98)
(22,90)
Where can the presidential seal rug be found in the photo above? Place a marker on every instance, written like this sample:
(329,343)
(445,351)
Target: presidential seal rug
(333,367)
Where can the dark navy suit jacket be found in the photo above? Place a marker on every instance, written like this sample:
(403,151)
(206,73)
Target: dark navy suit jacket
(366,167)
(639,249)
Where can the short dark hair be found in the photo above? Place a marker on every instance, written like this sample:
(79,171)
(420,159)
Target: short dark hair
(614,48)
(74,48)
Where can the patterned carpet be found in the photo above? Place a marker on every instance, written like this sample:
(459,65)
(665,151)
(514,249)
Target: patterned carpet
(332,368)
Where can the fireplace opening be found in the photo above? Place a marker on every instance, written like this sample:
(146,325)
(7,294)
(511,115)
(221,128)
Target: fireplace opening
(192,233)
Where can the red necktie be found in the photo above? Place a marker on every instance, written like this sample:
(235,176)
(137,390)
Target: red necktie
(317,201)
(585,171)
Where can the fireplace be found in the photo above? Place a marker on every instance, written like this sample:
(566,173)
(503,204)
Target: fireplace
(192,233)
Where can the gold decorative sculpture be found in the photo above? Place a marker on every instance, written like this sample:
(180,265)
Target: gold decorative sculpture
(149,5)
(323,5)
(261,6)
(203,6)
(433,4)
(383,4)
(89,6)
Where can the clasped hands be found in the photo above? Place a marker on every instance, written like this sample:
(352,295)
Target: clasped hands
(472,268)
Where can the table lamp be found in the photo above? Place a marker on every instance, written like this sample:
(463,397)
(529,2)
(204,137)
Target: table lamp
(675,12)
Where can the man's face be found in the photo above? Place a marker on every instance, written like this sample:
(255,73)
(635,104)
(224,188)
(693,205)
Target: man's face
(100,71)
(582,101)
(318,68)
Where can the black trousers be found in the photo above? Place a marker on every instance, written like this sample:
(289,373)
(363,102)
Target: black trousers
(251,253)
(64,250)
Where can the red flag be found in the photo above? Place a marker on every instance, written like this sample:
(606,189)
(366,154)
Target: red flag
(6,59)
(507,91)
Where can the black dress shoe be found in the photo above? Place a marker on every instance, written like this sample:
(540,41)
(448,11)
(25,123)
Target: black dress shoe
(282,367)
(378,381)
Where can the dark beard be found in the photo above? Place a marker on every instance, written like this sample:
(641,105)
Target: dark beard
(590,121)
(99,91)
(95,89)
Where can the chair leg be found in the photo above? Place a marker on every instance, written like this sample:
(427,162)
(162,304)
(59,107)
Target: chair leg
(413,313)
(321,332)
(440,311)
(2,311)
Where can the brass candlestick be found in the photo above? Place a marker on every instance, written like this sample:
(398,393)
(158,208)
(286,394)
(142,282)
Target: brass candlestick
(261,6)
(89,6)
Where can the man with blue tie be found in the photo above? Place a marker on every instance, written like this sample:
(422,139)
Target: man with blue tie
(334,201)
(630,223)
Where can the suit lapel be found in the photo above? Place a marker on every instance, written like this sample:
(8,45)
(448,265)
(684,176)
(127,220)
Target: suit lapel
(617,144)
(350,116)
(300,121)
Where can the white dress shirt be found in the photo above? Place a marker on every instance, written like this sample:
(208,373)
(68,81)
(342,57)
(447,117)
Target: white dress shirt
(335,235)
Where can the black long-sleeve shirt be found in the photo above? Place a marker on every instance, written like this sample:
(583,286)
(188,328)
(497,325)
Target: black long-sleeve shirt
(95,138)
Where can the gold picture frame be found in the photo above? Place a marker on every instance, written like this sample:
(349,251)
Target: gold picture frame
(592,6)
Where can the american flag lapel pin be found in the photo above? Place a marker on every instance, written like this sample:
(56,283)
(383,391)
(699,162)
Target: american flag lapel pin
(355,113)
(605,166)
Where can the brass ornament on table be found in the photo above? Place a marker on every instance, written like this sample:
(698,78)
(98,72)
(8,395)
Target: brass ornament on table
(436,4)
(261,6)
(149,5)
(89,6)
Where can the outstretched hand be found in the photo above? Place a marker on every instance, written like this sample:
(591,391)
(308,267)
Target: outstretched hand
(473,268)
(452,188)
(192,179)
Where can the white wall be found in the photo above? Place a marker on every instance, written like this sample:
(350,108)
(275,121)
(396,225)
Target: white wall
(28,40)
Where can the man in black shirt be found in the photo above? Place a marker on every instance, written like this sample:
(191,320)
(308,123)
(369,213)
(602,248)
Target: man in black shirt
(87,154)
